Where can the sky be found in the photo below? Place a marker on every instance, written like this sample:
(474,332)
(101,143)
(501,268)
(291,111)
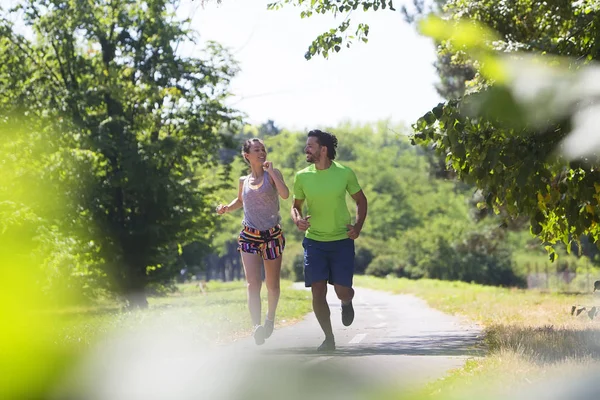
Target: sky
(390,77)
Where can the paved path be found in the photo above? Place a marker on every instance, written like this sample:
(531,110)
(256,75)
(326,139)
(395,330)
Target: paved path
(396,341)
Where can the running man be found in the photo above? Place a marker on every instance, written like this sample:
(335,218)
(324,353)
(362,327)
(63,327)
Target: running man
(329,235)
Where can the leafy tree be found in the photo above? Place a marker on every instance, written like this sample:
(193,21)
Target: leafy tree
(268,129)
(411,210)
(509,148)
(141,122)
(335,38)
(506,118)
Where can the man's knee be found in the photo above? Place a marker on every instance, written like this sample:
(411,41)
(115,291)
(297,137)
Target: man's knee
(319,290)
(344,292)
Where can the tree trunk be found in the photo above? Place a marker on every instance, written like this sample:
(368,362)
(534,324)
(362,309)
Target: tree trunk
(136,300)
(135,285)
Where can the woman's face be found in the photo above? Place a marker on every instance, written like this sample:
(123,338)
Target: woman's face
(257,154)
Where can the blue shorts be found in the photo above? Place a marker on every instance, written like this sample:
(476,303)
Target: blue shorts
(328,261)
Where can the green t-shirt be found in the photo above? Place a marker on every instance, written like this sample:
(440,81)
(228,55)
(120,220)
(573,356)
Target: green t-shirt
(325,194)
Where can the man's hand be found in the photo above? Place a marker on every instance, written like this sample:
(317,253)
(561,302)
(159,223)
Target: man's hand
(353,232)
(302,223)
(222,209)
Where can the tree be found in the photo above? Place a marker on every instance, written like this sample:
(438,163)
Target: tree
(511,148)
(490,131)
(413,209)
(335,38)
(268,129)
(140,122)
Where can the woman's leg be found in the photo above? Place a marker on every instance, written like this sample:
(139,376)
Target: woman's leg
(252,264)
(272,279)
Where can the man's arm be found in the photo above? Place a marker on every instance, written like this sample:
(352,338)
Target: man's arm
(361,214)
(296,211)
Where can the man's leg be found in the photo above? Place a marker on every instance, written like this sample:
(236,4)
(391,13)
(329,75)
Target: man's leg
(342,270)
(321,308)
(344,293)
(316,275)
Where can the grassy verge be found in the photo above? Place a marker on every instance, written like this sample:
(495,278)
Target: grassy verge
(220,314)
(530,335)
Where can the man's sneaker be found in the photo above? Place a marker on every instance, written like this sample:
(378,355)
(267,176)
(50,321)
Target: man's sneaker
(269,326)
(347,314)
(259,334)
(327,345)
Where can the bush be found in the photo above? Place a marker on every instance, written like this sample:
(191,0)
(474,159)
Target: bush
(363,258)
(292,267)
(478,258)
(383,265)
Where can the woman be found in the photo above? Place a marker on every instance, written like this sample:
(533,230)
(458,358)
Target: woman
(261,239)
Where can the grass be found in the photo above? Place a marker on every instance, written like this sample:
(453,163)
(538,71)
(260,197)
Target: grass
(39,349)
(217,316)
(530,335)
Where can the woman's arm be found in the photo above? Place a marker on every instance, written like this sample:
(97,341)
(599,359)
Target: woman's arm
(235,203)
(278,181)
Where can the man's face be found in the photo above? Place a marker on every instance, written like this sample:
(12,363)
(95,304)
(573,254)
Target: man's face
(312,150)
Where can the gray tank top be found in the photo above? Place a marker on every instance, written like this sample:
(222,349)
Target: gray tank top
(261,205)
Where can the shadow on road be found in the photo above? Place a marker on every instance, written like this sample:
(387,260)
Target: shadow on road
(444,344)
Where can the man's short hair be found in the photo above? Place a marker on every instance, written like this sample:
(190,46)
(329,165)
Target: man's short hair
(325,139)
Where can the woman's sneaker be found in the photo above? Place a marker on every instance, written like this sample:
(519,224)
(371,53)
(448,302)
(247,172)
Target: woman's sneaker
(259,334)
(269,327)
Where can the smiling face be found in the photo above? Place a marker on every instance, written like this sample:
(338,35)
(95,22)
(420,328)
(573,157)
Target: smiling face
(313,150)
(256,153)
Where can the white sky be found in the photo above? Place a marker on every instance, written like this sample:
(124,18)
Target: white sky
(391,76)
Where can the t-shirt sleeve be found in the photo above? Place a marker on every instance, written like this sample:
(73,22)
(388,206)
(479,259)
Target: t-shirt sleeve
(352,186)
(298,191)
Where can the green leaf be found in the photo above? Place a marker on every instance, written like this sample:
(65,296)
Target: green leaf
(429,118)
(438,111)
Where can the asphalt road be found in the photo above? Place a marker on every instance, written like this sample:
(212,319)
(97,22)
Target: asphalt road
(396,343)
(395,340)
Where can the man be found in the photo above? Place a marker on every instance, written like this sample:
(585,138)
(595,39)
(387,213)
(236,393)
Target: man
(329,238)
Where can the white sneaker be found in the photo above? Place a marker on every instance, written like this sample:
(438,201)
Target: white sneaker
(269,327)
(259,334)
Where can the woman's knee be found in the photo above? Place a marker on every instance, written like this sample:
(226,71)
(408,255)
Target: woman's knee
(254,285)
(273,287)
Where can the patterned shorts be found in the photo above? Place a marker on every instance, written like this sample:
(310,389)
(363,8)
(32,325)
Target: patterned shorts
(269,244)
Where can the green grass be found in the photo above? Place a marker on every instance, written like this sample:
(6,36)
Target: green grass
(39,348)
(221,314)
(530,335)
(489,305)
